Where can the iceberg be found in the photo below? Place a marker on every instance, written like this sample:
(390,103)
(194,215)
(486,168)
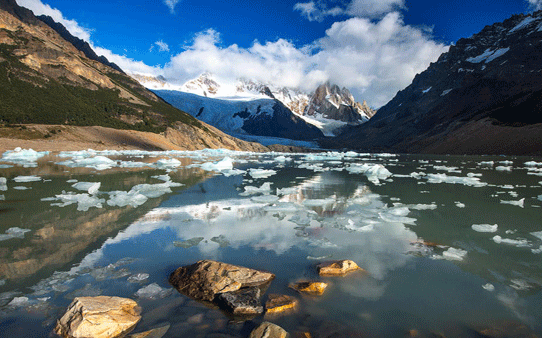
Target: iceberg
(261,173)
(23,157)
(452,254)
(263,189)
(90,187)
(374,172)
(84,201)
(225,164)
(485,227)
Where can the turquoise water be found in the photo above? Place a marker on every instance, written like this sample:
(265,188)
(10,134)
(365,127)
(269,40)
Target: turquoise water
(419,225)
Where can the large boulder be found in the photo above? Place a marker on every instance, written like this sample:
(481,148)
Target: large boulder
(337,268)
(245,301)
(205,279)
(99,317)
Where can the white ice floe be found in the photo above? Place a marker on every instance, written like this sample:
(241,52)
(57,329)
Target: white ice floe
(446,168)
(24,179)
(452,254)
(374,172)
(533,164)
(15,232)
(23,157)
(261,173)
(233,172)
(459,204)
(485,227)
(431,206)
(487,163)
(20,187)
(124,198)
(168,163)
(290,191)
(84,201)
(3,184)
(251,190)
(153,291)
(265,199)
(90,187)
(96,162)
(225,164)
(489,287)
(503,168)
(516,242)
(520,203)
(443,178)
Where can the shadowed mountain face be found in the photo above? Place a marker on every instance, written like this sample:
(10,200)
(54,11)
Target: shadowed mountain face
(481,97)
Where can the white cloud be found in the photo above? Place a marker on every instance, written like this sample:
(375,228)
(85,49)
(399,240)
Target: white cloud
(171,4)
(127,64)
(318,10)
(162,46)
(373,8)
(535,4)
(72,26)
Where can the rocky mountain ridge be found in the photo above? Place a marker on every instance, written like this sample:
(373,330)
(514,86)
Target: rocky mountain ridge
(484,96)
(45,79)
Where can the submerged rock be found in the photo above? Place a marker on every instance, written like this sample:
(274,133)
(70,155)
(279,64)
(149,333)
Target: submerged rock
(268,330)
(280,304)
(337,268)
(311,288)
(242,302)
(158,332)
(99,317)
(205,279)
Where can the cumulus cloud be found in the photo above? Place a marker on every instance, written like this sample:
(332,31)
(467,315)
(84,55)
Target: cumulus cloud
(535,4)
(318,10)
(171,4)
(127,64)
(162,46)
(373,59)
(72,26)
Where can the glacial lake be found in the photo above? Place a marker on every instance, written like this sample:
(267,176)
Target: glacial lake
(451,245)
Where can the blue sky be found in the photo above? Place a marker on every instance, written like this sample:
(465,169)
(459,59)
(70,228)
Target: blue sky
(373,47)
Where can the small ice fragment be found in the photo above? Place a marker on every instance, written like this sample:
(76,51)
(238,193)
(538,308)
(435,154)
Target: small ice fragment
(520,203)
(224,164)
(138,278)
(459,205)
(250,190)
(487,163)
(452,254)
(489,287)
(90,187)
(261,173)
(14,232)
(503,168)
(533,164)
(485,227)
(24,179)
(537,234)
(265,199)
(517,242)
(19,302)
(292,190)
(19,187)
(71,181)
(168,163)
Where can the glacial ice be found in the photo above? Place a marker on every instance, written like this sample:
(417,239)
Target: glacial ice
(90,187)
(168,163)
(261,173)
(124,198)
(516,242)
(443,178)
(84,201)
(97,162)
(520,203)
(265,199)
(14,232)
(485,227)
(153,291)
(251,190)
(489,287)
(452,254)
(225,164)
(24,157)
(374,172)
(24,179)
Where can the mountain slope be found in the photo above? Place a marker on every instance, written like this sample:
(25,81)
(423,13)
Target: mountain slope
(45,79)
(484,96)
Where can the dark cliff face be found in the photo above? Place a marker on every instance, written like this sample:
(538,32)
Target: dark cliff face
(77,43)
(490,83)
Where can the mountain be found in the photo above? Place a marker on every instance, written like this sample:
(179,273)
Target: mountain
(46,79)
(483,96)
(329,108)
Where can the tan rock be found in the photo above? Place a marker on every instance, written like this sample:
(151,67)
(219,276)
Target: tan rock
(98,317)
(268,330)
(280,304)
(158,332)
(205,279)
(311,288)
(337,268)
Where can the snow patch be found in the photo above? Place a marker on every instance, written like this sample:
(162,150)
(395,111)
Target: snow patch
(488,55)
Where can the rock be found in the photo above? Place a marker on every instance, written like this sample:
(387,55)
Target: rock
(337,268)
(99,317)
(158,332)
(242,302)
(311,288)
(280,303)
(302,335)
(205,279)
(268,330)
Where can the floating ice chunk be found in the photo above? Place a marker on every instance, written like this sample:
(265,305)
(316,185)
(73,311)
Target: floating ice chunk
(282,207)
(84,201)
(138,278)
(3,184)
(261,173)
(24,179)
(459,205)
(20,187)
(485,227)
(90,187)
(503,168)
(168,163)
(448,169)
(507,186)
(533,164)
(537,234)
(517,242)
(24,157)
(72,181)
(225,164)
(489,287)
(537,251)
(153,291)
(452,254)
(233,172)
(374,172)
(265,199)
(164,178)
(520,285)
(123,198)
(318,202)
(446,92)
(431,206)
(19,302)
(154,190)
(282,158)
(96,162)
(15,232)
(520,203)
(487,163)
(474,175)
(443,178)
(263,189)
(506,162)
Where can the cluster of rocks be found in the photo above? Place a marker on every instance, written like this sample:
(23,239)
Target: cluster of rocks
(235,289)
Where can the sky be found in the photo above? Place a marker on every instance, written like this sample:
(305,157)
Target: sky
(372,47)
